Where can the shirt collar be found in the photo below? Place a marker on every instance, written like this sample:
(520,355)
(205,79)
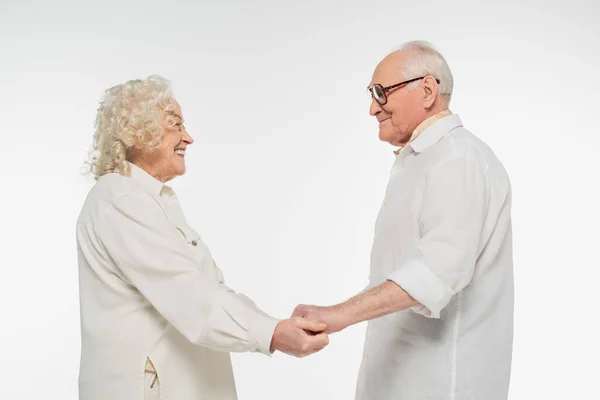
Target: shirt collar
(147,180)
(434,130)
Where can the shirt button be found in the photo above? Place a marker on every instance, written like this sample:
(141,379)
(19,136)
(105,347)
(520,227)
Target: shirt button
(194,243)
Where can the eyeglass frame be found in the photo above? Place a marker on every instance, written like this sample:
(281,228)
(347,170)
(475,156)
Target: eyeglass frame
(386,89)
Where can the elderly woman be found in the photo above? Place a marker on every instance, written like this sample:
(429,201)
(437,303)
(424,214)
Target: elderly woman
(156,317)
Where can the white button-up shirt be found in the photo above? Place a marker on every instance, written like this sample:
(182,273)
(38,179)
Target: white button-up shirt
(443,234)
(150,290)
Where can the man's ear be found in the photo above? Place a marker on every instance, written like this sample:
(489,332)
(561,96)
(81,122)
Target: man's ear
(430,89)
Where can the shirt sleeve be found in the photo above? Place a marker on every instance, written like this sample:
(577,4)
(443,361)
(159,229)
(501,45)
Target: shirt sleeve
(451,221)
(147,249)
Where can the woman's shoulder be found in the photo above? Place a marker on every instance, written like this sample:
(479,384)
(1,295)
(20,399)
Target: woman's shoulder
(107,190)
(113,185)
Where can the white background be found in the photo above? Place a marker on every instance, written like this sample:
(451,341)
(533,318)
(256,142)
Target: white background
(287,173)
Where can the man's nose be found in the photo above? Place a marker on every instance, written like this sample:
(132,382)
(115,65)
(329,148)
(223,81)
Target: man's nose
(375,108)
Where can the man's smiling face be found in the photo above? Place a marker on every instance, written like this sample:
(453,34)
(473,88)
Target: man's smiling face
(404,109)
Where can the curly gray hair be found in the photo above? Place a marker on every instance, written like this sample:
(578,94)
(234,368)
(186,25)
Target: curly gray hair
(129,114)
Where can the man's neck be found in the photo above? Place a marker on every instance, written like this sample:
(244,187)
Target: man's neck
(429,120)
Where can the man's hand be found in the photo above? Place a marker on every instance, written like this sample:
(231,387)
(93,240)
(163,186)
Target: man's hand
(332,316)
(381,300)
(299,337)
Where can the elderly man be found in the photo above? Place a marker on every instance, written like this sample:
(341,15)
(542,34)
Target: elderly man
(440,298)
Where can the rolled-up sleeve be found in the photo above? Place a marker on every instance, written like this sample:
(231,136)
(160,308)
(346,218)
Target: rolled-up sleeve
(452,218)
(146,247)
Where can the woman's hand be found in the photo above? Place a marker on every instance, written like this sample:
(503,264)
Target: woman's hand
(299,337)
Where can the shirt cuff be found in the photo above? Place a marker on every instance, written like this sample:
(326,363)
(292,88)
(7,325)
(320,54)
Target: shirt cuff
(424,286)
(261,332)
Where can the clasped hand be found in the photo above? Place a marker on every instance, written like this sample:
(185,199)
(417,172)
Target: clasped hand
(306,332)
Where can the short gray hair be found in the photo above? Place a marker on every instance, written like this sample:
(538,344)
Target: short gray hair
(423,59)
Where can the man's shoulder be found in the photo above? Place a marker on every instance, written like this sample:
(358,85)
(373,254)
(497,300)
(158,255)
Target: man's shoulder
(464,145)
(460,143)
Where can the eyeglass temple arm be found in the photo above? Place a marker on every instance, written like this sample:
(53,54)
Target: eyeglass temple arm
(408,81)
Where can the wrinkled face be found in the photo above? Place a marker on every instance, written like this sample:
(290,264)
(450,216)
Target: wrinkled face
(406,107)
(168,161)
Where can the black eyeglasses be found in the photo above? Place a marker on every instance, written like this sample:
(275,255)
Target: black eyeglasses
(379,93)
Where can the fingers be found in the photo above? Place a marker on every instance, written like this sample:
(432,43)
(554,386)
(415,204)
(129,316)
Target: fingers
(299,311)
(312,344)
(320,340)
(318,349)
(307,325)
(293,337)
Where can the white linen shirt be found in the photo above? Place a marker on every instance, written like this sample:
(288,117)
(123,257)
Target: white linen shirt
(150,290)
(443,234)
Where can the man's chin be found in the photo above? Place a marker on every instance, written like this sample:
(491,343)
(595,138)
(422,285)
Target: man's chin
(385,136)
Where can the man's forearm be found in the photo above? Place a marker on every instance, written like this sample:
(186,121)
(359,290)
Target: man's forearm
(384,299)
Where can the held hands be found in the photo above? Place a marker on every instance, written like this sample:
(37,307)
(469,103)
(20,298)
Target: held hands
(331,316)
(299,337)
(306,332)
